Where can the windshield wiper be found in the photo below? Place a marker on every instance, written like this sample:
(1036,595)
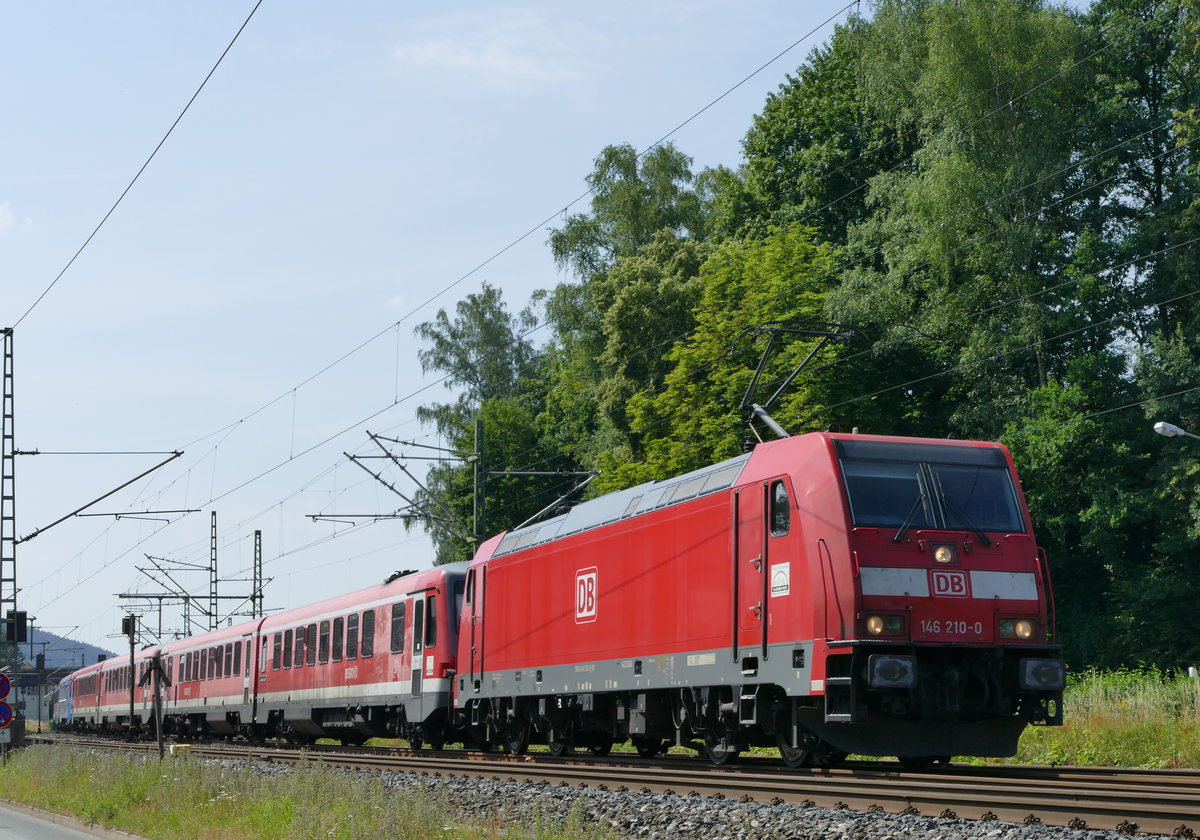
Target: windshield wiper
(912,514)
(960,515)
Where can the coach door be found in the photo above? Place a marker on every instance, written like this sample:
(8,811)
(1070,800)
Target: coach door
(749,571)
(418,651)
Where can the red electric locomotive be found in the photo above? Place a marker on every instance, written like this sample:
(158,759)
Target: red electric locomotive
(826,593)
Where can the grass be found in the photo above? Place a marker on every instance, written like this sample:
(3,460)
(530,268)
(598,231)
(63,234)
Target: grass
(184,798)
(1128,718)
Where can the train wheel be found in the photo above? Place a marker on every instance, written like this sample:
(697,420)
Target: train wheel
(793,756)
(437,743)
(516,738)
(649,747)
(717,752)
(601,748)
(416,743)
(560,748)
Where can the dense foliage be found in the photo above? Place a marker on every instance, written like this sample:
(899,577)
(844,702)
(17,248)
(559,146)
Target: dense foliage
(1000,195)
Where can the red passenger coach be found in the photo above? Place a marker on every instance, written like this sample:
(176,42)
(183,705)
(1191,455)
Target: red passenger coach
(373,663)
(825,593)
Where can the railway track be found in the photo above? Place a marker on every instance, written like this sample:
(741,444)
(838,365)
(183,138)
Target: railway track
(1129,801)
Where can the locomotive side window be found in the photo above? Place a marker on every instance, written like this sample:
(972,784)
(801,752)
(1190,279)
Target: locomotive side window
(352,636)
(339,626)
(398,627)
(323,650)
(470,589)
(310,644)
(368,633)
(781,511)
(430,622)
(287,648)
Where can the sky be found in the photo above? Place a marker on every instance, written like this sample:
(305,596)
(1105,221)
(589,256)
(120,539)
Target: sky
(347,170)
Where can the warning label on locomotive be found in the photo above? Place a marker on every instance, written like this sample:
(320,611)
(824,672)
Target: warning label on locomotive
(781,579)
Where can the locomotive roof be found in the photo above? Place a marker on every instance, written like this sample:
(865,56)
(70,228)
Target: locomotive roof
(625,504)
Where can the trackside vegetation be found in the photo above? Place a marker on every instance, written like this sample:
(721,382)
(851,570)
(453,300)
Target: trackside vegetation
(1122,718)
(183,798)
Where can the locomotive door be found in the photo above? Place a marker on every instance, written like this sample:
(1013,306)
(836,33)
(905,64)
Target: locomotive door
(750,568)
(474,603)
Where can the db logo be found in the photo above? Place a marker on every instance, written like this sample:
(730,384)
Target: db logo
(949,584)
(585,595)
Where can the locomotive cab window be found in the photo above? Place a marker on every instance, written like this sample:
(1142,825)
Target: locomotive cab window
(911,485)
(781,512)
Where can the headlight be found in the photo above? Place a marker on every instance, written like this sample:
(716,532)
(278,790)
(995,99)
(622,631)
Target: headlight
(1042,674)
(885,671)
(885,625)
(945,554)
(1015,628)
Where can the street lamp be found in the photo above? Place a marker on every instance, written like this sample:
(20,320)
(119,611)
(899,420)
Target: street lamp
(1171,430)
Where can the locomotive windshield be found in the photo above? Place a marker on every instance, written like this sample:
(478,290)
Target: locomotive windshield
(913,485)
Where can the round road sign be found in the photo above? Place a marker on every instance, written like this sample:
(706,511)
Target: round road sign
(5,714)
(5,685)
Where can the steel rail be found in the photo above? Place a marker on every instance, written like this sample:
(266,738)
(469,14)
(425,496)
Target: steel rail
(1128,801)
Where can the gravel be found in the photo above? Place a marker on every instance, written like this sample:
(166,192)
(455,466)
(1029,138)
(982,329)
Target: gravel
(662,816)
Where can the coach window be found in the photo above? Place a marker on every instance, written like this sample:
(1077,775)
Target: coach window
(310,645)
(339,626)
(220,659)
(398,627)
(187,668)
(237,658)
(276,651)
(229,658)
(368,633)
(781,511)
(323,650)
(287,648)
(298,659)
(418,625)
(430,621)
(214,663)
(352,636)
(203,663)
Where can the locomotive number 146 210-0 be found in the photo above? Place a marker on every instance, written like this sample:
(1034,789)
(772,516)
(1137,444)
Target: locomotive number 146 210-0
(948,627)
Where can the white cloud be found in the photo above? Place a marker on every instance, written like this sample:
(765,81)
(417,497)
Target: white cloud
(9,221)
(509,53)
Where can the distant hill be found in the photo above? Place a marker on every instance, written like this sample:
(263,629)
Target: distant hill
(61,652)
